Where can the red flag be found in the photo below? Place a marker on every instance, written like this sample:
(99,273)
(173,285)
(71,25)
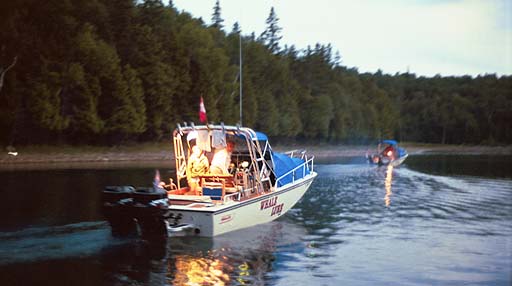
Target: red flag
(202,112)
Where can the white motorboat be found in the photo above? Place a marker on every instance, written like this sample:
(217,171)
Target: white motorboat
(260,186)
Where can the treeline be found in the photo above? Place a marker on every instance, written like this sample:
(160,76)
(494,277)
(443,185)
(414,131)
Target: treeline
(115,71)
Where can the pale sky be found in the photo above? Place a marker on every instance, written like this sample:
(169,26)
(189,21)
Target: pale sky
(426,37)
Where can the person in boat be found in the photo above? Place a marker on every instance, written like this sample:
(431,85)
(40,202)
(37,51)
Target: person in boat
(222,159)
(389,152)
(197,165)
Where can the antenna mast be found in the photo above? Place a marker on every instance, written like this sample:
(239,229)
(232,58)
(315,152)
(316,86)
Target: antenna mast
(241,124)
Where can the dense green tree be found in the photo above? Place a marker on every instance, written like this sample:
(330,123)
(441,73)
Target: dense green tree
(208,66)
(455,118)
(253,70)
(122,19)
(158,81)
(101,62)
(82,93)
(318,116)
(128,117)
(46,103)
(110,71)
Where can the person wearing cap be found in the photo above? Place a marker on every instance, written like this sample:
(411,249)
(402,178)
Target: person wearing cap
(197,165)
(191,138)
(389,152)
(222,159)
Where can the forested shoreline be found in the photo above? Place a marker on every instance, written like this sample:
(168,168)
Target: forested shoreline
(108,72)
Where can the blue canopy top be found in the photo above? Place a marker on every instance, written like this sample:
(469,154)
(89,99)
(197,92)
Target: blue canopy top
(261,137)
(284,164)
(390,142)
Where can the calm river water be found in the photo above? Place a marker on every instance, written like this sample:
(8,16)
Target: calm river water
(437,220)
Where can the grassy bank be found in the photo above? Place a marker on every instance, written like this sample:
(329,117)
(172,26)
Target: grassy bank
(66,153)
(164,152)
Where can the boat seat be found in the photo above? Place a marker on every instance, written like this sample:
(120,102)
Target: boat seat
(215,190)
(230,190)
(211,183)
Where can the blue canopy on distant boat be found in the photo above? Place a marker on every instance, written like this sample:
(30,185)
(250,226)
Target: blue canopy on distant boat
(401,152)
(390,142)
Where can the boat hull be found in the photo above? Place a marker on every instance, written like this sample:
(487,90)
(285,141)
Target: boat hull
(217,220)
(395,163)
(261,186)
(398,161)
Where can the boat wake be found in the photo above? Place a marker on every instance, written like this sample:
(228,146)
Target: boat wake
(52,243)
(359,213)
(382,195)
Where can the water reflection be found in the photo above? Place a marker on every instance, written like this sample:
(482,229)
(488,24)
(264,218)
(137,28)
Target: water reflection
(387,185)
(240,258)
(219,267)
(191,270)
(340,233)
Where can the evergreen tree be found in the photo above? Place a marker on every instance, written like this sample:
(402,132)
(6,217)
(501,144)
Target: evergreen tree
(236,29)
(108,71)
(271,36)
(216,17)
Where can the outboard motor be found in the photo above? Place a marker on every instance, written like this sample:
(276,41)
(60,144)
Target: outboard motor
(144,196)
(117,201)
(150,206)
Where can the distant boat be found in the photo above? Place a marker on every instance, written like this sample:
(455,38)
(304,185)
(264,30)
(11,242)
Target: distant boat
(392,154)
(262,186)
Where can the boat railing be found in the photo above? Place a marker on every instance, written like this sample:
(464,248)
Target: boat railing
(307,165)
(232,197)
(293,153)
